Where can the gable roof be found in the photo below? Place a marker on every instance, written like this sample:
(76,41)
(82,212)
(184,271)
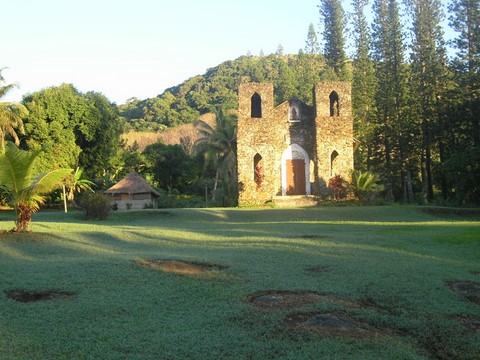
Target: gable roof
(132,184)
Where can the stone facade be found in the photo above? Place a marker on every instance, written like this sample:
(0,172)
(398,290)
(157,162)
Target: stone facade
(293,148)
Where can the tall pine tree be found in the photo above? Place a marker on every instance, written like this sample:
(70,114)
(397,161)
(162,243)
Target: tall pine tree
(311,44)
(333,19)
(428,81)
(363,86)
(388,52)
(463,165)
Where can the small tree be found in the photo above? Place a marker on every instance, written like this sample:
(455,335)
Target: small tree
(25,191)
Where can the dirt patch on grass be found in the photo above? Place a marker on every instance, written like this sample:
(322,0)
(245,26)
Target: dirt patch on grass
(37,295)
(469,290)
(181,267)
(331,324)
(285,299)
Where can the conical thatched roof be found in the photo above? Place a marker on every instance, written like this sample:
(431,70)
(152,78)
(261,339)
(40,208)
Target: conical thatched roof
(132,184)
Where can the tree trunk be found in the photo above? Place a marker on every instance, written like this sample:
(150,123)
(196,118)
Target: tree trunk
(64,199)
(410,187)
(24,218)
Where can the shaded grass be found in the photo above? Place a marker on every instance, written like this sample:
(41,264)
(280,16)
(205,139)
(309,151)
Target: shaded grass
(395,260)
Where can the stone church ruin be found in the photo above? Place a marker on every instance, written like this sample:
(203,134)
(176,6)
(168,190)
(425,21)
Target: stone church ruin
(292,149)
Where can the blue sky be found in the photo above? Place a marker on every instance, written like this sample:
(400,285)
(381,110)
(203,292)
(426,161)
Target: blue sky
(138,48)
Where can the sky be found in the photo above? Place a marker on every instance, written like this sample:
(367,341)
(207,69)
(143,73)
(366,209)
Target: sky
(139,48)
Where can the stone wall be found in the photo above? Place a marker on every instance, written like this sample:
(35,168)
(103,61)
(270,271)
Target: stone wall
(334,132)
(276,134)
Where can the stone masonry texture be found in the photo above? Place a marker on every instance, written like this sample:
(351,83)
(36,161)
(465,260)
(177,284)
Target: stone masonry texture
(321,135)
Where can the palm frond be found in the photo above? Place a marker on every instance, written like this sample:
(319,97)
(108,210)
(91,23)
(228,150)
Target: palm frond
(16,168)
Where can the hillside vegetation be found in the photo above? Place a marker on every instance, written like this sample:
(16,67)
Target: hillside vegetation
(292,75)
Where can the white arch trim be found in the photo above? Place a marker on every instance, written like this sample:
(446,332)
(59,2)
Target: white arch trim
(293,152)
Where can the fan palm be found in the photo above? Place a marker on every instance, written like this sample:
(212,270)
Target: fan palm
(218,144)
(25,192)
(11,115)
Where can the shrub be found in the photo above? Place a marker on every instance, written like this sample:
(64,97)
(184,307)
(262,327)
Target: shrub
(95,206)
(337,187)
(364,185)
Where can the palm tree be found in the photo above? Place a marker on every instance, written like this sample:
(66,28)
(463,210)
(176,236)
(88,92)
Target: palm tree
(25,191)
(11,115)
(218,144)
(74,183)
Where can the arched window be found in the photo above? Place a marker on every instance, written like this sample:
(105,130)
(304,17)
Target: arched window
(333,163)
(256,106)
(258,170)
(294,114)
(334,104)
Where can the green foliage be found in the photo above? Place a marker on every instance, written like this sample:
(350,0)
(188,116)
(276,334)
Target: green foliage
(364,185)
(217,89)
(75,129)
(170,167)
(25,190)
(333,20)
(311,44)
(364,87)
(11,116)
(96,206)
(218,145)
(175,200)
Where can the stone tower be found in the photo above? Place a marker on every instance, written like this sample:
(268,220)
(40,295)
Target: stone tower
(293,148)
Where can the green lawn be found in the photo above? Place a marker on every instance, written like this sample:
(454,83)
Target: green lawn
(387,269)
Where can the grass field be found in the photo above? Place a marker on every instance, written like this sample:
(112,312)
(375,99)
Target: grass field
(385,282)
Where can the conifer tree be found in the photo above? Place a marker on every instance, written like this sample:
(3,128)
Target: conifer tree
(363,85)
(465,19)
(463,163)
(333,20)
(311,44)
(428,80)
(388,51)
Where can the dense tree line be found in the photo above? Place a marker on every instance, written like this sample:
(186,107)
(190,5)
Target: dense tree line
(417,116)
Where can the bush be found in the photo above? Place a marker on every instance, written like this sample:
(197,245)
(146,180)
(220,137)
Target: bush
(337,187)
(95,205)
(364,186)
(180,201)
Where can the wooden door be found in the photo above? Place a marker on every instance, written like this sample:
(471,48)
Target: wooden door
(296,177)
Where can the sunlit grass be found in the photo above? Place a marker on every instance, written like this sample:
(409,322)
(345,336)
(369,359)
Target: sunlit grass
(396,259)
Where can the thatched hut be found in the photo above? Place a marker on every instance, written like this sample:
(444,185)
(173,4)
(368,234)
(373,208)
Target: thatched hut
(132,192)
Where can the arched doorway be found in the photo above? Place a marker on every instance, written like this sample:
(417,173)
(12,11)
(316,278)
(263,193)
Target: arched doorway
(295,171)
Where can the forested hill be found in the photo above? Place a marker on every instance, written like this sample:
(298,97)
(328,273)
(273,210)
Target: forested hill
(292,75)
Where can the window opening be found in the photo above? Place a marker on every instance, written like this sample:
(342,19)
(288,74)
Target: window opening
(256,109)
(334,104)
(333,163)
(294,114)
(258,170)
